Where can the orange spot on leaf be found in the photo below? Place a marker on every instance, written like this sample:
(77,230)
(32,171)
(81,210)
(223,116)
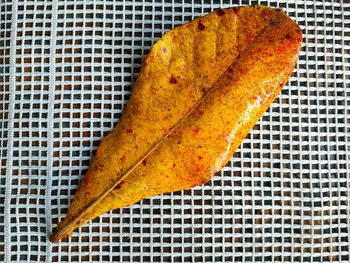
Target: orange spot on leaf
(195,131)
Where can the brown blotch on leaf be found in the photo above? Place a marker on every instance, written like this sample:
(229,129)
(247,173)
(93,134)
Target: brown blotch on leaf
(220,12)
(172,80)
(201,27)
(117,187)
(129,130)
(144,162)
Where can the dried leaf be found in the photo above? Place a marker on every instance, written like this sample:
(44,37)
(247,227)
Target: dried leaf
(202,88)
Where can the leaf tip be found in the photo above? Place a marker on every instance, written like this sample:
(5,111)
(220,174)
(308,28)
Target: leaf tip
(59,234)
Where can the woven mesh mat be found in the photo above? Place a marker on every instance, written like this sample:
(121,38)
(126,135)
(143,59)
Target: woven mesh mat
(66,72)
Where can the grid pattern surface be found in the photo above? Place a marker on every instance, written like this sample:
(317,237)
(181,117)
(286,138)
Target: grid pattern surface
(66,72)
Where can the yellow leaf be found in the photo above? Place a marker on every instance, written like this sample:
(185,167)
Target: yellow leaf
(201,89)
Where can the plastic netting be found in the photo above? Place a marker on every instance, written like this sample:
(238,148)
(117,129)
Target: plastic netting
(66,72)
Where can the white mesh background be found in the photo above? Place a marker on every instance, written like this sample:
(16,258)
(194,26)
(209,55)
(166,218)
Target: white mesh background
(66,72)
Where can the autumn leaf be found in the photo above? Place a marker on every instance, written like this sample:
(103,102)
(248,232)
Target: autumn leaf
(201,89)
